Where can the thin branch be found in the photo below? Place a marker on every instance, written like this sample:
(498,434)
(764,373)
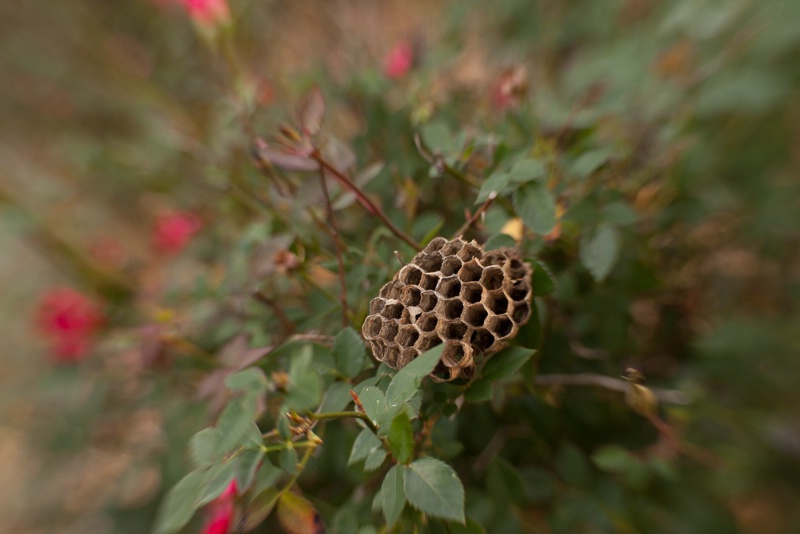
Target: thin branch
(472,220)
(363,199)
(279,313)
(338,243)
(344,415)
(669,396)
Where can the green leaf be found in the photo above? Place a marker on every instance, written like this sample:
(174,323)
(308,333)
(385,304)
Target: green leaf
(506,363)
(259,508)
(619,213)
(249,462)
(437,138)
(366,442)
(349,352)
(375,459)
(251,380)
(408,379)
(499,241)
(613,458)
(180,503)
(599,250)
(571,464)
(535,206)
(479,391)
(287,460)
(589,162)
(401,438)
(218,479)
(373,401)
(543,281)
(431,486)
(505,482)
(304,390)
(337,397)
(235,422)
(204,450)
(497,182)
(526,170)
(393,497)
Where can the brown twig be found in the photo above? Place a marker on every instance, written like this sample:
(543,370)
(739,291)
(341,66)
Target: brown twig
(363,198)
(472,220)
(279,313)
(338,244)
(669,396)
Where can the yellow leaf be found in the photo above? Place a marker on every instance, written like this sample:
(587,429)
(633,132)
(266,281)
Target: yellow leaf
(514,228)
(298,516)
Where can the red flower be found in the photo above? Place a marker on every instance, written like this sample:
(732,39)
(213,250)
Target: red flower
(398,61)
(208,13)
(174,231)
(221,512)
(70,320)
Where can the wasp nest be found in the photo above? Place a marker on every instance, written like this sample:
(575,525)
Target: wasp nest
(454,293)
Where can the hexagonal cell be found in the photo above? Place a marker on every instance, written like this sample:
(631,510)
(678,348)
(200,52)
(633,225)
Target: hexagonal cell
(470,272)
(517,269)
(469,251)
(492,277)
(392,289)
(410,315)
(428,301)
(449,287)
(430,263)
(521,313)
(481,339)
(372,327)
(411,296)
(410,274)
(376,305)
(497,301)
(442,373)
(451,308)
(454,330)
(429,281)
(427,322)
(393,309)
(436,244)
(451,248)
(474,315)
(517,290)
(500,325)
(407,336)
(390,354)
(427,341)
(472,292)
(495,257)
(406,356)
(451,265)
(389,330)
(457,354)
(377,348)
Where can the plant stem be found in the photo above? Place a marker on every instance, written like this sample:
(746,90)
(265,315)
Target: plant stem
(283,446)
(363,199)
(472,220)
(344,415)
(338,243)
(668,396)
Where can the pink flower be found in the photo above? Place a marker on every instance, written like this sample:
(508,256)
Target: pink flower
(174,231)
(510,89)
(70,320)
(221,512)
(208,13)
(398,61)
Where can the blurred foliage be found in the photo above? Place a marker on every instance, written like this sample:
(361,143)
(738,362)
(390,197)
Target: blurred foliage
(649,147)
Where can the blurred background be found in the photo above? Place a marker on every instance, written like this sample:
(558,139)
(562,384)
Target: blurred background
(132,226)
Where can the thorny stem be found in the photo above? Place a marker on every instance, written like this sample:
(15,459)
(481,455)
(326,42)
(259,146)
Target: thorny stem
(477,215)
(288,445)
(363,198)
(338,243)
(669,396)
